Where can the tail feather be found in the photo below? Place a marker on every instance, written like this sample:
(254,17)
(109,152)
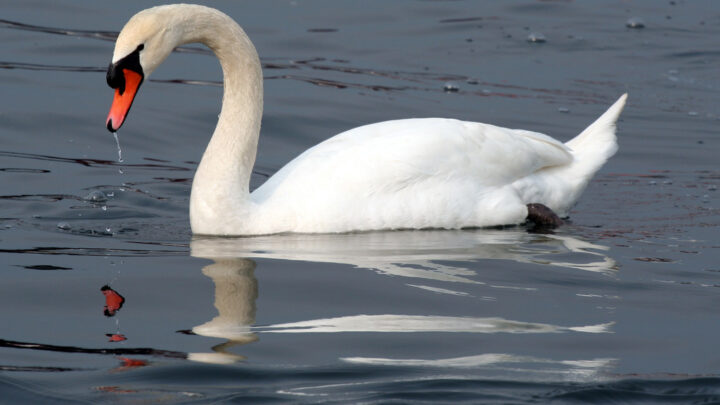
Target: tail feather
(590,150)
(597,143)
(600,134)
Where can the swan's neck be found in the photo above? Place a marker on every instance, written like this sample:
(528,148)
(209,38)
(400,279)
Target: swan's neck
(221,185)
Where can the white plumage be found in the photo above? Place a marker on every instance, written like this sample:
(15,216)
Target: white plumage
(412,173)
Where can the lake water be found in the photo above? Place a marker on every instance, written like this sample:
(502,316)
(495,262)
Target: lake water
(107,298)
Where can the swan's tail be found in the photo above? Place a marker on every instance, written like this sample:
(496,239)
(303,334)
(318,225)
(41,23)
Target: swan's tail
(590,150)
(596,144)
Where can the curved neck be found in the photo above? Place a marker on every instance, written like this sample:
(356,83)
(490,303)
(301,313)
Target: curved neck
(222,180)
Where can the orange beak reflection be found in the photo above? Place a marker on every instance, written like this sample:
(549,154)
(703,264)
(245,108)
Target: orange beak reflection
(123,100)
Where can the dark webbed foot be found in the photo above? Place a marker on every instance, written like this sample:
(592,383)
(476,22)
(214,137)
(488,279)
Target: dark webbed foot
(543,216)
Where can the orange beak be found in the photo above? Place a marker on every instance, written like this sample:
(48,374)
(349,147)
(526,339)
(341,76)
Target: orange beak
(123,100)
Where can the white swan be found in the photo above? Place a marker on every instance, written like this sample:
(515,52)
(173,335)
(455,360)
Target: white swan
(412,173)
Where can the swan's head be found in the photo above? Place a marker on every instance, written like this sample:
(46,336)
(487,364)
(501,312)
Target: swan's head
(143,44)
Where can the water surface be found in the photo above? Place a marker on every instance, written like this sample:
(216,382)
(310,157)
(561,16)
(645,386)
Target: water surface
(107,297)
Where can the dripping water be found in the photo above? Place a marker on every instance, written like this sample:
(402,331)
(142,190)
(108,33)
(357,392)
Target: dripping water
(117,142)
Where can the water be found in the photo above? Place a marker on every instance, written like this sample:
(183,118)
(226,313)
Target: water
(536,37)
(119,149)
(635,22)
(618,306)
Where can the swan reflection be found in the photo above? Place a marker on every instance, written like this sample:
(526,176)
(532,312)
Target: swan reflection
(507,364)
(415,253)
(407,254)
(419,323)
(236,291)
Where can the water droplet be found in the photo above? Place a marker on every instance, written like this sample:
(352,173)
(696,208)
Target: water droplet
(652,182)
(104,208)
(472,81)
(563,109)
(667,182)
(635,22)
(64,226)
(712,187)
(486,92)
(536,37)
(693,113)
(96,196)
(111,194)
(117,142)
(451,87)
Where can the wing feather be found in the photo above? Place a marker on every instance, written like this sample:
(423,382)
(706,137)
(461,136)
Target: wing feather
(386,157)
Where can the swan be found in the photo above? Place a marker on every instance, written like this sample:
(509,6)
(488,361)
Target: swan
(402,174)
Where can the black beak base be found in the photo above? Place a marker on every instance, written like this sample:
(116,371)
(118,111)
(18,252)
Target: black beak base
(115,77)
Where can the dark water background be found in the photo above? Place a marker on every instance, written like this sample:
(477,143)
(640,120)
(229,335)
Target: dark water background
(620,306)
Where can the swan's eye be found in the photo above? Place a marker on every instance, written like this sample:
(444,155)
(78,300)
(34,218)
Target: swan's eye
(140,47)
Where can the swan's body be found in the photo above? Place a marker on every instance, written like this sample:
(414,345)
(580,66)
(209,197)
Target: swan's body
(412,173)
